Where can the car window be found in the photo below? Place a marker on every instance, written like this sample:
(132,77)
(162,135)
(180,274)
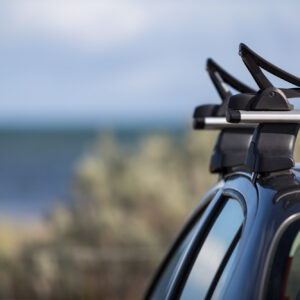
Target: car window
(292,290)
(162,287)
(284,282)
(216,247)
(221,286)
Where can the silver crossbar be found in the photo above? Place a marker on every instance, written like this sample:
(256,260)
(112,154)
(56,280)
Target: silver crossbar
(215,123)
(268,116)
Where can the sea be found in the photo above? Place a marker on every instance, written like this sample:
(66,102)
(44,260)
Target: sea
(37,166)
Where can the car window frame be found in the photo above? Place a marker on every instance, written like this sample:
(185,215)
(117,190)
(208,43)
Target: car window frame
(217,215)
(240,187)
(196,215)
(273,249)
(210,216)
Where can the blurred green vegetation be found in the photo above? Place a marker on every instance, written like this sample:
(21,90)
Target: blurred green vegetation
(127,205)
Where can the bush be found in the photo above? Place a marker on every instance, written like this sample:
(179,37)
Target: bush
(127,204)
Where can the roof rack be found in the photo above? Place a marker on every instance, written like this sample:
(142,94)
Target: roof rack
(227,154)
(213,116)
(273,142)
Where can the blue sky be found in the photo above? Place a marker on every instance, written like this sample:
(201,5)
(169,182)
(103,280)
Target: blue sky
(126,62)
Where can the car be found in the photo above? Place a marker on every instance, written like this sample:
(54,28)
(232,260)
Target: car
(242,241)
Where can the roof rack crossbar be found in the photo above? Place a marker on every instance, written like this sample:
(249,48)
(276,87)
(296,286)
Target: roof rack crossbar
(217,123)
(243,116)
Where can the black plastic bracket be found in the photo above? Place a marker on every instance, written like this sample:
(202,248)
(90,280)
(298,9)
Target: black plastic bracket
(232,143)
(269,99)
(220,79)
(272,146)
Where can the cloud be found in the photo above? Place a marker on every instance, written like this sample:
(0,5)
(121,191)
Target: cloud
(132,57)
(205,267)
(104,25)
(86,24)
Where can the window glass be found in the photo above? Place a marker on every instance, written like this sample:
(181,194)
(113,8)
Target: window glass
(213,251)
(284,282)
(161,290)
(221,286)
(293,271)
(291,290)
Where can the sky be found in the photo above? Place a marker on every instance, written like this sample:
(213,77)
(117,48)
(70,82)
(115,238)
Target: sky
(130,63)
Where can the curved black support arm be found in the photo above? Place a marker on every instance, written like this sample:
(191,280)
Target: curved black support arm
(273,142)
(269,97)
(255,62)
(219,76)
